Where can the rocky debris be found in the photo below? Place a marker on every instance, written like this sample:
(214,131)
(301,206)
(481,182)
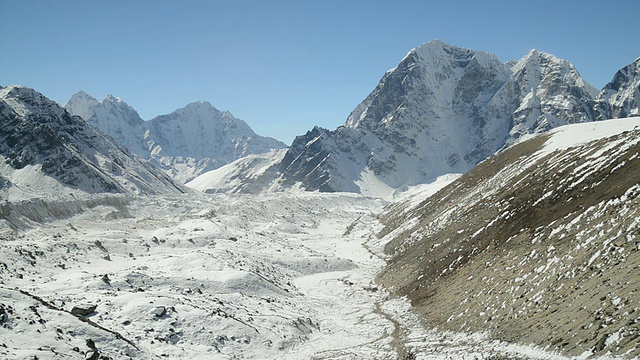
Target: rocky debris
(160,311)
(91,344)
(98,243)
(84,309)
(274,323)
(223,339)
(105,279)
(370,288)
(4,313)
(172,337)
(306,325)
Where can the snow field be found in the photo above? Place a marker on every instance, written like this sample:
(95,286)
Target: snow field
(280,276)
(248,277)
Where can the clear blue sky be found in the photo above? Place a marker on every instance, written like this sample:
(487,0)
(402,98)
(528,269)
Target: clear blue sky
(285,66)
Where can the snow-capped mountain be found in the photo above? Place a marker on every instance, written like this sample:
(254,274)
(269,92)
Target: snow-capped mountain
(184,143)
(82,104)
(549,92)
(621,97)
(443,109)
(46,151)
(116,118)
(538,244)
(202,133)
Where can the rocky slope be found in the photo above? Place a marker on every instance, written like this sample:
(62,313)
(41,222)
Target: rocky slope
(621,97)
(185,143)
(443,109)
(537,244)
(45,151)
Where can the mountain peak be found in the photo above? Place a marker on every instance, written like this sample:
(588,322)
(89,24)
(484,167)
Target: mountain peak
(537,57)
(126,111)
(112,99)
(436,51)
(29,102)
(621,96)
(82,94)
(433,47)
(82,104)
(435,43)
(537,63)
(15,90)
(194,111)
(436,66)
(201,105)
(188,141)
(534,53)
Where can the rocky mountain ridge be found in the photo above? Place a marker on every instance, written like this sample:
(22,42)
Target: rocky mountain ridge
(621,97)
(46,151)
(185,143)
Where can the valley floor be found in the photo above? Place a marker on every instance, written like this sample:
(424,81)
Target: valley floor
(281,276)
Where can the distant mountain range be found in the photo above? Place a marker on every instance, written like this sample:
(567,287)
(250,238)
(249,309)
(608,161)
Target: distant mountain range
(444,109)
(184,143)
(45,151)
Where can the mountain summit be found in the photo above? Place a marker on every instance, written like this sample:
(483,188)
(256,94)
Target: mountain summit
(82,104)
(443,109)
(184,143)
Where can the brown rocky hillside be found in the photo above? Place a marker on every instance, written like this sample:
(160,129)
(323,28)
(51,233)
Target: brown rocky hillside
(533,246)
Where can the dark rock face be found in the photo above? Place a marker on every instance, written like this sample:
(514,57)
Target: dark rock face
(38,137)
(4,313)
(84,309)
(91,344)
(304,161)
